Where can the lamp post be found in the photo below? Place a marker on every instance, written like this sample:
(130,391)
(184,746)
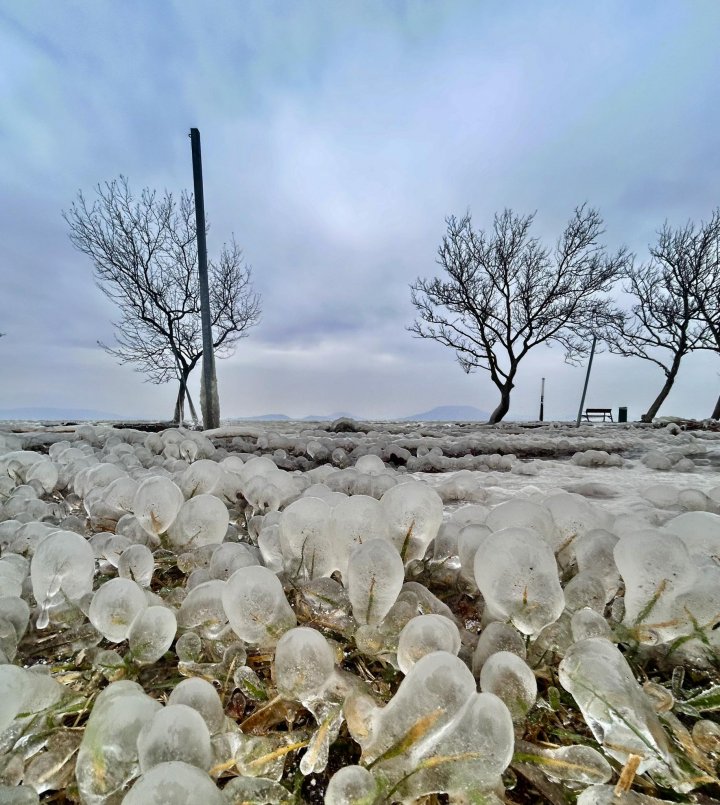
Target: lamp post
(209,401)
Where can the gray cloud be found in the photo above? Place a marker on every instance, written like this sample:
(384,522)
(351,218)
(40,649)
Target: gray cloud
(336,138)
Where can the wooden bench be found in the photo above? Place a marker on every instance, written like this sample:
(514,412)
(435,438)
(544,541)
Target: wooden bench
(600,414)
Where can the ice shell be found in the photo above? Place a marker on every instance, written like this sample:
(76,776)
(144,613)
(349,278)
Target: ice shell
(517,575)
(108,758)
(613,704)
(304,662)
(137,563)
(202,520)
(587,622)
(374,579)
(497,636)
(200,477)
(174,783)
(13,684)
(371,464)
(256,606)
(229,557)
(156,504)
(63,562)
(303,532)
(151,634)
(510,678)
(424,634)
(656,567)
(414,512)
(201,696)
(18,795)
(606,795)
(353,521)
(432,693)
(351,785)
(519,513)
(574,515)
(114,607)
(176,732)
(700,531)
(594,552)
(469,756)
(469,540)
(203,607)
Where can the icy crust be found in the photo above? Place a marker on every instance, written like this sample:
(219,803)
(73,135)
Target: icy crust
(316,590)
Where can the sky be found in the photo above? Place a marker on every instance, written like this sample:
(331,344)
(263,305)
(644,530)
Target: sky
(336,138)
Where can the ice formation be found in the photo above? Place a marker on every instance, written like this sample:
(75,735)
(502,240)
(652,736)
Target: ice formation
(292,591)
(516,572)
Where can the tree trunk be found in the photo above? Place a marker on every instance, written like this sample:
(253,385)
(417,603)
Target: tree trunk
(716,411)
(503,406)
(193,412)
(660,399)
(180,405)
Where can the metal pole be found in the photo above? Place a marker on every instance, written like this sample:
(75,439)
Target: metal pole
(209,402)
(587,379)
(542,399)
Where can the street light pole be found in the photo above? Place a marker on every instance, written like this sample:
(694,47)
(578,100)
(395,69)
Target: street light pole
(542,399)
(587,379)
(209,401)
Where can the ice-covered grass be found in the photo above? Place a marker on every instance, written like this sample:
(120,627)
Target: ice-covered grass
(354,613)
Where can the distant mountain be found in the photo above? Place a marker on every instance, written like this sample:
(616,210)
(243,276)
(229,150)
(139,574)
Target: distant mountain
(286,418)
(450,413)
(65,414)
(328,417)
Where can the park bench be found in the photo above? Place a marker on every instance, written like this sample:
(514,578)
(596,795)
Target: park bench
(601,414)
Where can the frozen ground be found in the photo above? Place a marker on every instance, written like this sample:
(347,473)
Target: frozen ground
(360,612)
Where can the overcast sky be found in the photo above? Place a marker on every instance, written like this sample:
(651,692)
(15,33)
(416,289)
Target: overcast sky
(336,137)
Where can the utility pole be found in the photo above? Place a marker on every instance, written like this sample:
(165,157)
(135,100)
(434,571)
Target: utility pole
(587,379)
(209,401)
(542,399)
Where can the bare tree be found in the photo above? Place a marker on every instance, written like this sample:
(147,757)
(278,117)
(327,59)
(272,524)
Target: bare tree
(144,257)
(707,289)
(665,323)
(504,293)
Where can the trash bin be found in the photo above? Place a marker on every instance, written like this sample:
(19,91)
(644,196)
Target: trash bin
(622,414)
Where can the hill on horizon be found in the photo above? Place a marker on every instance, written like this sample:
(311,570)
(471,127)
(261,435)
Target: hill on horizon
(450,413)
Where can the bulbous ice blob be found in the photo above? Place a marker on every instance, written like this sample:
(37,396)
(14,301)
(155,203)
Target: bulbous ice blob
(201,477)
(156,504)
(355,520)
(594,553)
(607,795)
(497,636)
(519,513)
(13,684)
(115,606)
(174,783)
(574,515)
(176,732)
(137,563)
(428,699)
(575,764)
(619,713)
(18,795)
(700,531)
(509,677)
(304,662)
(414,513)
(229,557)
(351,785)
(63,565)
(256,606)
(201,696)
(304,537)
(424,634)
(470,539)
(469,756)
(151,634)
(587,622)
(656,568)
(517,575)
(371,465)
(374,579)
(585,589)
(202,520)
(107,758)
(120,494)
(203,608)
(15,611)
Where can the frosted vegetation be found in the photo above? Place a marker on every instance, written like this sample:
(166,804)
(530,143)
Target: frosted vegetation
(360,615)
